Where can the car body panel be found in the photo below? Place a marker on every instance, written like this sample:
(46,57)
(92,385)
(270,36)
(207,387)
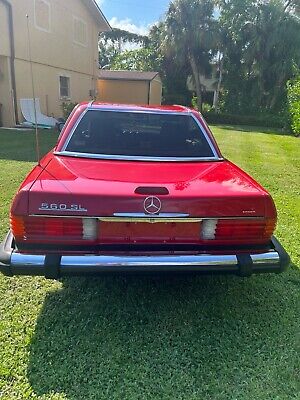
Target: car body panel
(113,193)
(206,189)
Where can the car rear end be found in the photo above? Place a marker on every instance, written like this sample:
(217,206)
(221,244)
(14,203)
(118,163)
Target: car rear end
(81,213)
(74,246)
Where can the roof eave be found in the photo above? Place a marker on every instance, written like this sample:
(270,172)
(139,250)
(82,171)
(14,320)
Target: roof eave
(103,23)
(115,77)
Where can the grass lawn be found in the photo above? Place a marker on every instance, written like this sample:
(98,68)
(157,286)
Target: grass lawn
(204,337)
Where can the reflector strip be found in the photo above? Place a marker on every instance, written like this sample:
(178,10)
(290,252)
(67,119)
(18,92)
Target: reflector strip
(89,228)
(209,229)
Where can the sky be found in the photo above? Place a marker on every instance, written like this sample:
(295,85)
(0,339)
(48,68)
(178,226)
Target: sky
(133,15)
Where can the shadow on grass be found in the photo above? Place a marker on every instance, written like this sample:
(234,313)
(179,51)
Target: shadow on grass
(187,337)
(253,129)
(21,146)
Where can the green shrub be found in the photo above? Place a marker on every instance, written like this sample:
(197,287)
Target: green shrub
(194,102)
(67,108)
(269,121)
(293,89)
(205,106)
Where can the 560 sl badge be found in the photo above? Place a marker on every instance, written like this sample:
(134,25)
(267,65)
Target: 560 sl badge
(62,207)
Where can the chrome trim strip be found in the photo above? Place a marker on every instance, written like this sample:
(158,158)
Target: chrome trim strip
(71,133)
(98,262)
(135,111)
(206,137)
(143,215)
(271,258)
(135,158)
(27,260)
(144,261)
(64,152)
(133,215)
(149,219)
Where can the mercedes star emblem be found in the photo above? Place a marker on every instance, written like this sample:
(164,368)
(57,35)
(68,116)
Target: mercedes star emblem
(152,205)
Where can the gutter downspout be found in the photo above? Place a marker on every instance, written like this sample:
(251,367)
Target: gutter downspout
(12,56)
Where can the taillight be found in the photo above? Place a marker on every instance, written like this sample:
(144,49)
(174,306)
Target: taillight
(53,229)
(238,229)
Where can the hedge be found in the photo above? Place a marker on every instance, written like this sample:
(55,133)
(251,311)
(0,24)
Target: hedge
(269,121)
(293,87)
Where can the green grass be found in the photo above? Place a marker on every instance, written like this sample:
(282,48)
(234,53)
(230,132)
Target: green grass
(203,337)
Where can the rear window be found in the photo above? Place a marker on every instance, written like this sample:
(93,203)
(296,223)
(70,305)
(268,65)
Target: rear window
(139,134)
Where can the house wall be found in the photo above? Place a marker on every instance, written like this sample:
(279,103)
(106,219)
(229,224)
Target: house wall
(6,102)
(124,92)
(6,105)
(54,51)
(56,47)
(4,37)
(156,91)
(210,83)
(46,83)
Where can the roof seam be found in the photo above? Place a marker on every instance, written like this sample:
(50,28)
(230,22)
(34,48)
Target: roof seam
(128,75)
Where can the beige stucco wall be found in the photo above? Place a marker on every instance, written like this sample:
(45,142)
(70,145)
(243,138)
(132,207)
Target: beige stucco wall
(5,78)
(156,91)
(7,113)
(56,47)
(54,52)
(4,38)
(46,83)
(124,92)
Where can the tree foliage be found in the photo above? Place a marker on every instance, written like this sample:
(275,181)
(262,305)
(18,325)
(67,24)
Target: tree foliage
(173,71)
(143,59)
(111,45)
(190,37)
(263,46)
(293,88)
(254,43)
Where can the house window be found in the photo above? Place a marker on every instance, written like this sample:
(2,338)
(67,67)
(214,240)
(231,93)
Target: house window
(42,15)
(80,31)
(64,87)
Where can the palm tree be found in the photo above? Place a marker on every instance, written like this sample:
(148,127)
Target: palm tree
(223,42)
(263,46)
(273,47)
(190,37)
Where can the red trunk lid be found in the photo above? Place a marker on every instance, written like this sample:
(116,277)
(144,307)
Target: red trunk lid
(90,187)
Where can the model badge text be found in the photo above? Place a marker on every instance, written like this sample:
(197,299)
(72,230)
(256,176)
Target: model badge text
(62,207)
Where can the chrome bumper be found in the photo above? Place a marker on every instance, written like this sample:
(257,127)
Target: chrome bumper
(54,266)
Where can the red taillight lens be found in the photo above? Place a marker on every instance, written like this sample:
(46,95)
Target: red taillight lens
(244,229)
(53,229)
(17,226)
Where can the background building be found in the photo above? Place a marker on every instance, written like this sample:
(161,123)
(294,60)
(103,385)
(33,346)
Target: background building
(209,83)
(129,87)
(64,48)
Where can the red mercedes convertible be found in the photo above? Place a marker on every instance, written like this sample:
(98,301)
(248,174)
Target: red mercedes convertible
(138,188)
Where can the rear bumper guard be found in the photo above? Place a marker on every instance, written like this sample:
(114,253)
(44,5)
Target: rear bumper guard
(54,266)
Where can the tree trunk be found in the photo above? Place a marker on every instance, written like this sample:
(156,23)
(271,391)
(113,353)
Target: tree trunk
(276,92)
(216,97)
(120,45)
(196,77)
